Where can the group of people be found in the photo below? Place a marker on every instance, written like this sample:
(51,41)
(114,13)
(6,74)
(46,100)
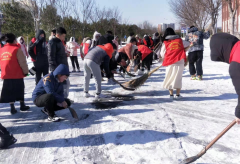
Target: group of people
(102,55)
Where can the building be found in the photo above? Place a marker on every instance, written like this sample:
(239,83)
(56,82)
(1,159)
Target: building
(163,26)
(226,19)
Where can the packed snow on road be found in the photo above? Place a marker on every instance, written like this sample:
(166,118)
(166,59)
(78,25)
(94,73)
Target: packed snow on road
(150,128)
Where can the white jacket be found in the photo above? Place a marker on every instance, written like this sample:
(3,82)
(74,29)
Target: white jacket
(23,46)
(72,47)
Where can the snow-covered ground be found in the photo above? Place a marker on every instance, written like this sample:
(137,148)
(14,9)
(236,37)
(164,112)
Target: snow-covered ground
(151,129)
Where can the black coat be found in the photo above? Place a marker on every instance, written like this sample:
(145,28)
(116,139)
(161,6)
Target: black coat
(56,54)
(41,58)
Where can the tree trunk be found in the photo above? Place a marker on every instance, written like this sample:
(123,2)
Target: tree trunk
(232,20)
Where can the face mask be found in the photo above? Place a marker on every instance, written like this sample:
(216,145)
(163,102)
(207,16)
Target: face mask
(3,42)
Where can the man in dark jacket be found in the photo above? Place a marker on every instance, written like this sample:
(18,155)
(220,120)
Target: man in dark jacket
(57,55)
(226,48)
(195,53)
(49,92)
(6,139)
(38,52)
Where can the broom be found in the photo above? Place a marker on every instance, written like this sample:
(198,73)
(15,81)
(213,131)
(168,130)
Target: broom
(136,83)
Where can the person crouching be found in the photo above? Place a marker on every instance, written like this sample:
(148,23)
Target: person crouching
(49,92)
(14,69)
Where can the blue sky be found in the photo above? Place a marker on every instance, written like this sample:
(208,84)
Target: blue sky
(137,11)
(155,11)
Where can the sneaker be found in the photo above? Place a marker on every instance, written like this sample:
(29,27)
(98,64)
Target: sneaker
(140,72)
(55,118)
(171,97)
(74,70)
(111,81)
(177,97)
(98,96)
(199,78)
(7,140)
(45,111)
(86,94)
(193,77)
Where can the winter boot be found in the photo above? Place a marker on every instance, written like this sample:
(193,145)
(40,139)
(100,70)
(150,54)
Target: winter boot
(6,139)
(13,110)
(23,107)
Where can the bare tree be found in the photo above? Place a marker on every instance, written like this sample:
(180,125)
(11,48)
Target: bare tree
(114,18)
(190,13)
(82,10)
(213,8)
(233,6)
(35,7)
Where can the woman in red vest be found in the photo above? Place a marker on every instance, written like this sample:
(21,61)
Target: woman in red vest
(14,69)
(174,58)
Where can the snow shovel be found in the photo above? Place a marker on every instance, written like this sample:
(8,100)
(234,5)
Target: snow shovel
(199,155)
(73,113)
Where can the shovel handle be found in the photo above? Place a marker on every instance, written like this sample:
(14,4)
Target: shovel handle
(221,134)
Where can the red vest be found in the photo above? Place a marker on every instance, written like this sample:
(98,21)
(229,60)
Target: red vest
(234,55)
(174,52)
(144,50)
(9,62)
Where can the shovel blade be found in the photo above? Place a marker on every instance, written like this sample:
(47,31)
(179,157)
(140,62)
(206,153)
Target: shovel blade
(190,160)
(73,113)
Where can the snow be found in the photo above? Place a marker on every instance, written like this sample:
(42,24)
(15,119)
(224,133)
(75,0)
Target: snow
(151,129)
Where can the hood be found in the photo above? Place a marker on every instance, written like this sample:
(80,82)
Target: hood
(62,69)
(39,33)
(19,38)
(221,45)
(72,39)
(193,29)
(172,37)
(95,35)
(85,39)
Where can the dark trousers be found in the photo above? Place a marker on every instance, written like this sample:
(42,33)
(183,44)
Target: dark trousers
(195,57)
(74,61)
(235,76)
(147,61)
(41,70)
(12,90)
(49,103)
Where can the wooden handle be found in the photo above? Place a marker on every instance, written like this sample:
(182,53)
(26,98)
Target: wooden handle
(221,134)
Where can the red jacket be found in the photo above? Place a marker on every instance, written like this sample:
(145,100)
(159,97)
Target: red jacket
(139,42)
(234,55)
(174,52)
(9,62)
(108,48)
(35,49)
(145,51)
